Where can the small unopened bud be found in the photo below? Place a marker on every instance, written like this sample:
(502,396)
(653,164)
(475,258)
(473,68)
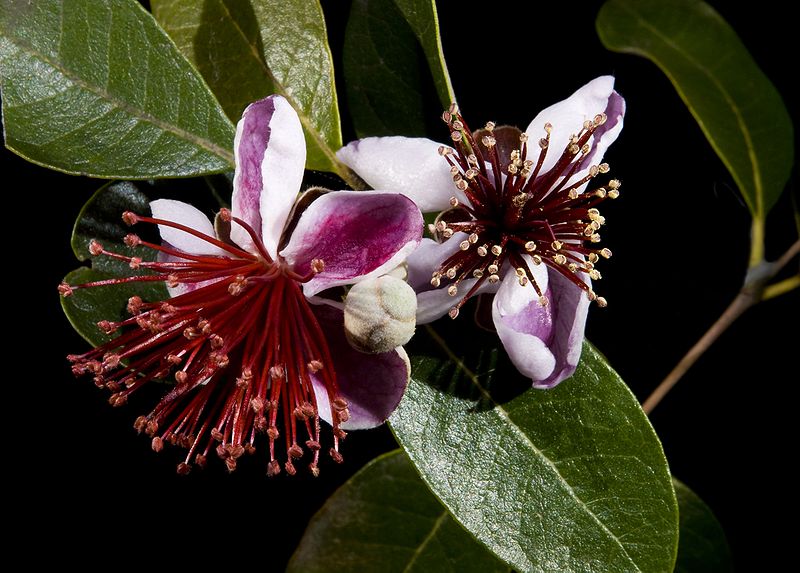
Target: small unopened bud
(380,314)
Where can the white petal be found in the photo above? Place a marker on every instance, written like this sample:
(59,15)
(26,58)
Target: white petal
(185,214)
(567,117)
(408,165)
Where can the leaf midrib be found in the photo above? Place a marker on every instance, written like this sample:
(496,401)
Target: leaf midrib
(757,183)
(134,111)
(304,119)
(428,538)
(503,414)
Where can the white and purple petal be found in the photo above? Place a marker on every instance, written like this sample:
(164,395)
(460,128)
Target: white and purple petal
(372,384)
(357,234)
(567,117)
(408,165)
(270,152)
(189,216)
(543,342)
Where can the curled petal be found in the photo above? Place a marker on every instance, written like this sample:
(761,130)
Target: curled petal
(357,235)
(567,117)
(192,217)
(270,153)
(543,342)
(372,384)
(408,165)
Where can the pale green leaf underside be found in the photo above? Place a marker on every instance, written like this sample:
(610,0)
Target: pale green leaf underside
(737,107)
(568,479)
(385,519)
(249,50)
(97,88)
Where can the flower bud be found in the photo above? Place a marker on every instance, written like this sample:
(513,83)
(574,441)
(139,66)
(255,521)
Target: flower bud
(380,314)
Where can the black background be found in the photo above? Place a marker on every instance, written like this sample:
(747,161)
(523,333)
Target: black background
(92,490)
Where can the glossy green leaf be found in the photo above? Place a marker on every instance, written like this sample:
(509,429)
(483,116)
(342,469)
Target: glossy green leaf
(392,59)
(248,50)
(101,219)
(702,547)
(97,88)
(737,107)
(568,479)
(385,519)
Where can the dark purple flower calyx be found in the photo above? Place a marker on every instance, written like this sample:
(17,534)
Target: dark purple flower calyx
(516,214)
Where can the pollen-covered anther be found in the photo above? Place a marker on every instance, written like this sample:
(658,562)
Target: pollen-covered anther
(444,150)
(560,259)
(274,468)
(601,193)
(225,215)
(530,246)
(483,251)
(595,238)
(494,279)
(522,281)
(453,313)
(488,141)
(473,238)
(556,245)
(512,169)
(314,366)
(463,245)
(613,194)
(520,199)
(238,284)
(470,174)
(456,136)
(447,233)
(600,119)
(614,184)
(604,168)
(477,273)
(457,125)
(65,290)
(543,301)
(490,125)
(436,280)
(216,341)
(317,265)
(520,271)
(157,444)
(574,149)
(181,377)
(601,302)
(493,268)
(594,170)
(573,194)
(606,253)
(451,273)
(132,240)
(130,218)
(336,456)
(595,275)
(461,185)
(548,127)
(452,290)
(497,250)
(543,143)
(135,263)
(95,248)
(523,137)
(273,433)
(257,405)
(573,267)
(135,304)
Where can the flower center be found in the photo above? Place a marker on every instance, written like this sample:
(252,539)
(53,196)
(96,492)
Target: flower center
(516,214)
(241,341)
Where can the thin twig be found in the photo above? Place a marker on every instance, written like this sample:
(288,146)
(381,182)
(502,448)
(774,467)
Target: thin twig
(750,294)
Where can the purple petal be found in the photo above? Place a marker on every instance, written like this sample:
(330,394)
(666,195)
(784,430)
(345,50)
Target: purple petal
(358,234)
(270,155)
(185,214)
(408,165)
(567,117)
(372,384)
(433,303)
(543,342)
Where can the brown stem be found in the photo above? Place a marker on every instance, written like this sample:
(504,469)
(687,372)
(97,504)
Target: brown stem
(751,293)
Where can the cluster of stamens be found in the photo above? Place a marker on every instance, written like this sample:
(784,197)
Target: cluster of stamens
(517,215)
(241,344)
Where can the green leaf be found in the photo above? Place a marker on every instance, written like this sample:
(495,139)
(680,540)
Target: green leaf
(387,46)
(568,479)
(101,219)
(737,107)
(703,547)
(385,519)
(98,89)
(249,50)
